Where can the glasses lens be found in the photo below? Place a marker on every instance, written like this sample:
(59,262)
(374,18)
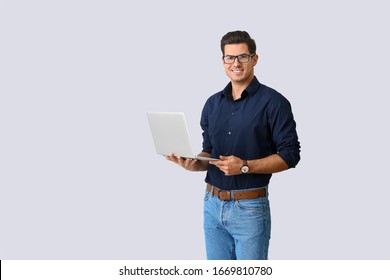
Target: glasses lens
(243,58)
(229,59)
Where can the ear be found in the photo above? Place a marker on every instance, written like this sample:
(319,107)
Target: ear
(255,59)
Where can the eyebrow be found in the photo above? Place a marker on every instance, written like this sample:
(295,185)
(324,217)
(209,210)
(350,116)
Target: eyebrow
(236,55)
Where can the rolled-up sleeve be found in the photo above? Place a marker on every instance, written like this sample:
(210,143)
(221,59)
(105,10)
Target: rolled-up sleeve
(283,129)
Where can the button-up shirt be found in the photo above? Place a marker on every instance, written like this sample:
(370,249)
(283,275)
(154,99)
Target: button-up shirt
(257,125)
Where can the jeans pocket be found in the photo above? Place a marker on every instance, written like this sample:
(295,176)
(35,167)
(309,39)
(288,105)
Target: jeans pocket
(256,204)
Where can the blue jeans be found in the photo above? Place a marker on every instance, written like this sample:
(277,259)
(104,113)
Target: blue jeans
(236,230)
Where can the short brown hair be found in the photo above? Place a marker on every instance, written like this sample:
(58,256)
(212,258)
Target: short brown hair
(237,37)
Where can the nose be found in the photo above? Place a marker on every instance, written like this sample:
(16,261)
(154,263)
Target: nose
(236,62)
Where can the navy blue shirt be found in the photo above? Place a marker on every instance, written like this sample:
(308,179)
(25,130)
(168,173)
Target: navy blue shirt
(257,125)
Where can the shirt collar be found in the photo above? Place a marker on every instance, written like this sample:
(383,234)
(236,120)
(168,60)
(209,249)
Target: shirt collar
(250,90)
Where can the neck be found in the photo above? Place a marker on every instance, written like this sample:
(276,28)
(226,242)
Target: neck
(238,88)
(237,91)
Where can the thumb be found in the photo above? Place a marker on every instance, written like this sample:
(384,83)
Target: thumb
(223,158)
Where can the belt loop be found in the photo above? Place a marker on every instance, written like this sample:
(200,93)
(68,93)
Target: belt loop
(212,191)
(231,195)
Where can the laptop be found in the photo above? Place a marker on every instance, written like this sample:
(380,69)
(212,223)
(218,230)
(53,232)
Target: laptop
(170,135)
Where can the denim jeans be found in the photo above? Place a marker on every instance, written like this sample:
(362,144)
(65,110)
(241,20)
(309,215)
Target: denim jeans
(236,230)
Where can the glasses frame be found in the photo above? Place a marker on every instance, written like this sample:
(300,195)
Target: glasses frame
(238,58)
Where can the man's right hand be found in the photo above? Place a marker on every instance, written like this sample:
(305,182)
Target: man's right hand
(188,163)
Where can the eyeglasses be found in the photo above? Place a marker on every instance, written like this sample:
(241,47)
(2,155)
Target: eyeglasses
(242,58)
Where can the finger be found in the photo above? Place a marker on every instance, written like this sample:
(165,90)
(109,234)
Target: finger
(227,171)
(180,160)
(187,161)
(171,157)
(183,161)
(192,162)
(218,163)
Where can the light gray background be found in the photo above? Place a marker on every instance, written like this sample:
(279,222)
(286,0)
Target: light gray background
(79,176)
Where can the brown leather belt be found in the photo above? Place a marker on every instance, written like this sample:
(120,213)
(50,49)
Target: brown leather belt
(237,195)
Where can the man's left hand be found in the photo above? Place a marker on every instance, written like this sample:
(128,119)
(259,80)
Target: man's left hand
(230,165)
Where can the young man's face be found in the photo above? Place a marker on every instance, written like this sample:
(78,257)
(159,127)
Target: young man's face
(239,72)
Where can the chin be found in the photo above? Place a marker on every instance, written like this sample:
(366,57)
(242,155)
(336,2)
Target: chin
(238,79)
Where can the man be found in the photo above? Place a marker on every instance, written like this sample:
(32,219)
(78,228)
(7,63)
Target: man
(251,129)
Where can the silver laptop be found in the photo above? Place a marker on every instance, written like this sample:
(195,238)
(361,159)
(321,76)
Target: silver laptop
(170,134)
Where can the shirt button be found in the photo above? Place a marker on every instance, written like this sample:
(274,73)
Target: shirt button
(229,133)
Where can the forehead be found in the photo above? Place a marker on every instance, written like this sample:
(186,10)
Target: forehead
(236,49)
